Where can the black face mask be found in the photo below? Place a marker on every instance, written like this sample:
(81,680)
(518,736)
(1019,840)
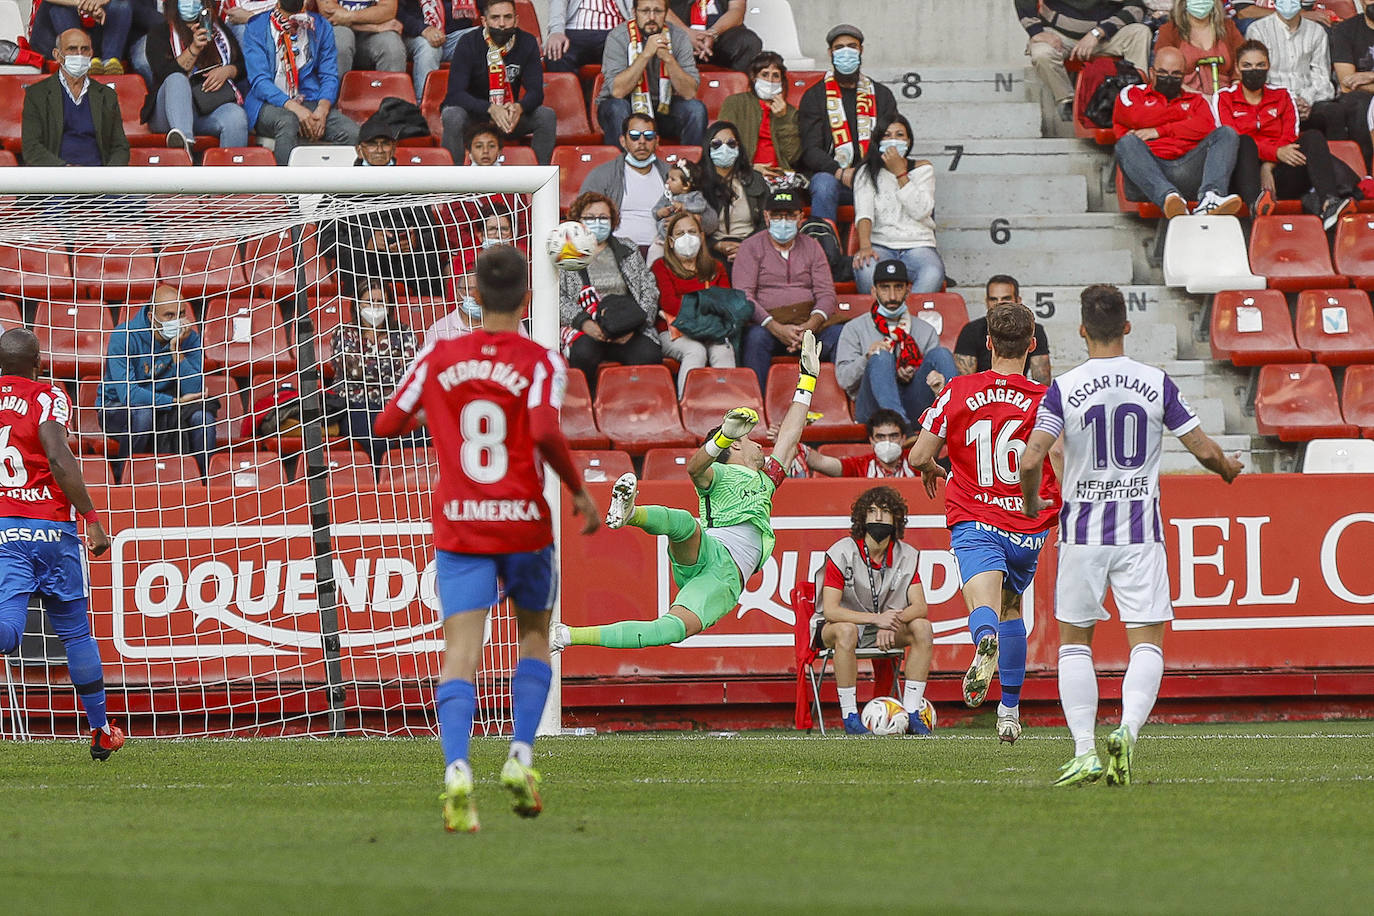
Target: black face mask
(1254,79)
(500,36)
(879,531)
(1171,87)
(291,7)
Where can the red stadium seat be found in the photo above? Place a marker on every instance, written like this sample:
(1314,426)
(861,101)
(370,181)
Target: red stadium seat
(1357,398)
(666,463)
(202,268)
(1261,333)
(852,305)
(95,471)
(361,91)
(710,393)
(527,18)
(1291,253)
(1354,249)
(636,407)
(238,155)
(409,470)
(1348,151)
(798,81)
(132,92)
(229,422)
(671,153)
(1336,325)
(154,155)
(35,271)
(10,315)
(945,311)
(12,87)
(245,336)
(836,424)
(350,471)
(846,449)
(163,471)
(247,470)
(90,436)
(114,264)
(563,93)
(1082,127)
(515,155)
(72,335)
(423,155)
(598,466)
(578,420)
(715,88)
(1297,402)
(270,264)
(432,102)
(575,163)
(7,159)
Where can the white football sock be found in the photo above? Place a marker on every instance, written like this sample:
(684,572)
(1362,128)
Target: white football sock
(522,752)
(914,696)
(1140,687)
(1013,711)
(1078,695)
(848,703)
(457,768)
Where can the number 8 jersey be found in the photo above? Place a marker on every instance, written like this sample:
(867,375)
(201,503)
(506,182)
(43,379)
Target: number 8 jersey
(985,419)
(1112,413)
(27,487)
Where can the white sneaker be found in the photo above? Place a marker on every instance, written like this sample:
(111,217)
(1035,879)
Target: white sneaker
(1008,724)
(1213,204)
(622,501)
(559,638)
(1206,203)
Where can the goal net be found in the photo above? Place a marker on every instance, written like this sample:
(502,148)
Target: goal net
(226,336)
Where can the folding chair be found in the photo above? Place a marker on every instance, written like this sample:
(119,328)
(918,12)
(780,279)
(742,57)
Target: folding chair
(812,661)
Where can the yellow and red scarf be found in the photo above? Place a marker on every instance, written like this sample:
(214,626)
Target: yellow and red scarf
(433,11)
(284,30)
(499,91)
(865,112)
(701,12)
(640,100)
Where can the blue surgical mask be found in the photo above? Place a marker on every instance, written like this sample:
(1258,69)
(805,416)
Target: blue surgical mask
(599,227)
(724,156)
(901,146)
(640,163)
(470,307)
(846,60)
(1288,8)
(783,230)
(893,311)
(188,10)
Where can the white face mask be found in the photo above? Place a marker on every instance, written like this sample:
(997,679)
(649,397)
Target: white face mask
(76,65)
(493,241)
(887,451)
(169,329)
(687,245)
(901,146)
(374,315)
(766,90)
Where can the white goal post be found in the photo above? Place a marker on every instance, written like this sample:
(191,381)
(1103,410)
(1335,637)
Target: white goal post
(281,582)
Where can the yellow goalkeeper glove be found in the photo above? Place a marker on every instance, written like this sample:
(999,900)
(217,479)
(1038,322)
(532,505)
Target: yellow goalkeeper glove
(737,424)
(810,368)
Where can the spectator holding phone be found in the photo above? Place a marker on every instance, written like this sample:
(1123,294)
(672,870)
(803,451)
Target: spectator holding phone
(195,61)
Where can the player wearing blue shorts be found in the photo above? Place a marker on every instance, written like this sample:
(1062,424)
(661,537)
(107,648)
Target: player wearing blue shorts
(41,494)
(491,400)
(984,419)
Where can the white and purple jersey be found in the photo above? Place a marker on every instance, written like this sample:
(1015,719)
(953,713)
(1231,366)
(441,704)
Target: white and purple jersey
(1112,413)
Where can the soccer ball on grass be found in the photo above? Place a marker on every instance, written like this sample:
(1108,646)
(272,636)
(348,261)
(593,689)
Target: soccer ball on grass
(884,716)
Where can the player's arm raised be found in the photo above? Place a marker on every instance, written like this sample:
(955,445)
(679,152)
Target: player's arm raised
(1033,471)
(67,472)
(1210,455)
(790,430)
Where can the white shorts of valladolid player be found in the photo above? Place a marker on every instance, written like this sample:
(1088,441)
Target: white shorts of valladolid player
(1137,573)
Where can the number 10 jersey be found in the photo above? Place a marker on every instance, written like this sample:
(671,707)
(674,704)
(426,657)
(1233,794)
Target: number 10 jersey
(1113,413)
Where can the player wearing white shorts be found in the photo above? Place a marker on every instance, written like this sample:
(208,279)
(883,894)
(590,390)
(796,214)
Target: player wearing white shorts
(1112,412)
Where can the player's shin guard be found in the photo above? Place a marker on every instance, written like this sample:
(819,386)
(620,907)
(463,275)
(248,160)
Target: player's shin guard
(1078,694)
(83,656)
(1011,659)
(529,690)
(677,524)
(1140,687)
(982,621)
(632,634)
(455,702)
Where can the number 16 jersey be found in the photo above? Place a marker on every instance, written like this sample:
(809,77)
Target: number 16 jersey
(1112,413)
(985,419)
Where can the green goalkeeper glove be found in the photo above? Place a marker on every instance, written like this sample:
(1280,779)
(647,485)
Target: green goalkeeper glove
(737,424)
(810,368)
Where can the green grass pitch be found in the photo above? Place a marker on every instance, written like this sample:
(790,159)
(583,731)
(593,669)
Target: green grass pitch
(1223,819)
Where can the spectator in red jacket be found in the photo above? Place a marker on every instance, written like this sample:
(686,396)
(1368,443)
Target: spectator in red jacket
(1169,145)
(687,267)
(1273,160)
(886,433)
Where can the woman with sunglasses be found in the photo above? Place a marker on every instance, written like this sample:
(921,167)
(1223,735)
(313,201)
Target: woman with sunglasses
(767,122)
(732,188)
(894,211)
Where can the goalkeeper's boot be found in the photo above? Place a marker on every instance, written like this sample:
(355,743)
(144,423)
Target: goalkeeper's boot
(103,743)
(559,638)
(979,676)
(1008,723)
(460,812)
(1081,770)
(853,725)
(1119,745)
(622,501)
(922,721)
(523,784)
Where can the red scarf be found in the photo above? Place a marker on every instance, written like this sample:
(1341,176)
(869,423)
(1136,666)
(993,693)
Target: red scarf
(433,11)
(283,33)
(701,9)
(865,114)
(905,349)
(498,89)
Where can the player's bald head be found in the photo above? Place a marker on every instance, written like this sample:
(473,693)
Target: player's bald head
(19,353)
(1170,59)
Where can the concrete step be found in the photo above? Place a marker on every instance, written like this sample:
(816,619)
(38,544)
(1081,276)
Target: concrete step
(999,196)
(1058,264)
(1057,232)
(1023,156)
(1175,459)
(1000,120)
(1145,303)
(922,84)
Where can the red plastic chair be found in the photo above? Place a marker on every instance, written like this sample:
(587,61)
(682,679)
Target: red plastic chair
(1354,249)
(670,153)
(945,311)
(432,102)
(601,466)
(798,81)
(269,263)
(846,449)
(12,86)
(203,268)
(1291,253)
(710,393)
(409,470)
(350,471)
(563,93)
(95,472)
(238,155)
(115,264)
(163,471)
(361,91)
(577,418)
(1297,402)
(72,335)
(851,305)
(514,155)
(527,18)
(155,156)
(7,159)
(636,408)
(836,424)
(1082,127)
(715,88)
(1334,338)
(575,163)
(244,337)
(132,92)
(1272,343)
(423,155)
(247,470)
(85,424)
(666,463)
(10,315)
(35,272)
(1357,398)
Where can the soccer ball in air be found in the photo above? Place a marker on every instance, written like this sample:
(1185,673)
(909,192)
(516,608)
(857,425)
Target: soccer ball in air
(571,245)
(884,716)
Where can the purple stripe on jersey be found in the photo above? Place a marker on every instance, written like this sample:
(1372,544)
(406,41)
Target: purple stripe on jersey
(1137,521)
(1050,416)
(1064,523)
(1109,524)
(1176,409)
(1080,527)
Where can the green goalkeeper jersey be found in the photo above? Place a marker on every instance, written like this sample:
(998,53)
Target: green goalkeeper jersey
(742,496)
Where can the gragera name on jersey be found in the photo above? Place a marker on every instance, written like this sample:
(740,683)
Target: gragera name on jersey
(1017,399)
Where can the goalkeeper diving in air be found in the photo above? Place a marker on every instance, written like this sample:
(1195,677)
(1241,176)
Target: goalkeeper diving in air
(714,557)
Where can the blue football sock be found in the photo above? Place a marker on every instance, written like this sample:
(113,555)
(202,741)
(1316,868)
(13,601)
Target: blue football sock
(455,702)
(529,689)
(1011,659)
(83,656)
(982,622)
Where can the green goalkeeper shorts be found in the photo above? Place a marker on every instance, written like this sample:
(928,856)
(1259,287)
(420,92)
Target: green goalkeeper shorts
(711,586)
